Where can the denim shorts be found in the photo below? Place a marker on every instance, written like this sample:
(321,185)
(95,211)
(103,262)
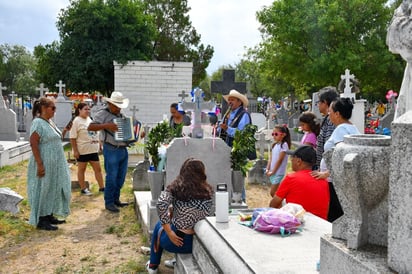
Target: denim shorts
(276,179)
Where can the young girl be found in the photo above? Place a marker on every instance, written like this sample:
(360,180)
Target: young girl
(278,160)
(310,125)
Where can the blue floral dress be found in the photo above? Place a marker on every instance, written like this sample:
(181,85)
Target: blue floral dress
(51,193)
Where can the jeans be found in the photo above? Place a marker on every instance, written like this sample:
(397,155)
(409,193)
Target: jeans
(165,243)
(115,165)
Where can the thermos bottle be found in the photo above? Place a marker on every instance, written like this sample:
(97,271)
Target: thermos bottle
(222,204)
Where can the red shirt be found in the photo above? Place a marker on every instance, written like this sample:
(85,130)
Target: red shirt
(301,188)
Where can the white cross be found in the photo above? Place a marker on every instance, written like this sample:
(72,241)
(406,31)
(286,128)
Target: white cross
(42,89)
(60,85)
(347,92)
(198,106)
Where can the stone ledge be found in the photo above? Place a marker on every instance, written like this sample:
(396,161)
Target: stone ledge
(337,258)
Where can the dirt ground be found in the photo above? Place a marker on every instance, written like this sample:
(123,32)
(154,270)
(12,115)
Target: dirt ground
(91,241)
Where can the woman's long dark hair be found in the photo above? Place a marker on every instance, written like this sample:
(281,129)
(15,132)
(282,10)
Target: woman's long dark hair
(191,182)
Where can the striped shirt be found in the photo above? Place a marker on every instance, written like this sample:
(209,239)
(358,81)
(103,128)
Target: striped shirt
(326,130)
(185,213)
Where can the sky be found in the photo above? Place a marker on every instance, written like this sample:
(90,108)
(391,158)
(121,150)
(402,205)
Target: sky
(227,25)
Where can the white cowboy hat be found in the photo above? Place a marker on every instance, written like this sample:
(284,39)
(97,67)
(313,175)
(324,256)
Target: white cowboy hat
(238,95)
(118,100)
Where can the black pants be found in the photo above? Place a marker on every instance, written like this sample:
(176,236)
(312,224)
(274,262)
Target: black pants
(335,209)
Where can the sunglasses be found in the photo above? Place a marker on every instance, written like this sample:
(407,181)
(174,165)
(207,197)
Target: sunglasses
(276,134)
(53,107)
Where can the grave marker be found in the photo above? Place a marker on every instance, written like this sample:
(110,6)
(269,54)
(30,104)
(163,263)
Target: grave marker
(347,91)
(198,106)
(42,89)
(226,85)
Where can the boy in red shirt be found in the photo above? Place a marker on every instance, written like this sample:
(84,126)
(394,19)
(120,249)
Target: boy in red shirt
(300,187)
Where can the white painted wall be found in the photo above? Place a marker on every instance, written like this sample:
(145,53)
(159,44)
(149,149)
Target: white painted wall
(152,87)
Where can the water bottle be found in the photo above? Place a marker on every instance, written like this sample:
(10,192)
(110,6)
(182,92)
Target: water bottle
(222,204)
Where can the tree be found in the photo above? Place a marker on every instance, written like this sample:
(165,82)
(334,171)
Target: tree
(93,34)
(17,66)
(309,43)
(177,40)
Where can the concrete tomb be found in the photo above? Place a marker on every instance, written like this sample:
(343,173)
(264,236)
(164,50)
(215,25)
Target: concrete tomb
(9,200)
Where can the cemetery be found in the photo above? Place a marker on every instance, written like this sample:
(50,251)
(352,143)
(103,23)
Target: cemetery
(370,173)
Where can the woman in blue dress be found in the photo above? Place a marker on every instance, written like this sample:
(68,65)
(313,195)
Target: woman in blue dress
(48,177)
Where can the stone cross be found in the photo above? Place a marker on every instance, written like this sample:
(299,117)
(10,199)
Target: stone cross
(134,109)
(261,143)
(183,95)
(198,106)
(42,89)
(2,102)
(347,92)
(60,85)
(228,83)
(13,96)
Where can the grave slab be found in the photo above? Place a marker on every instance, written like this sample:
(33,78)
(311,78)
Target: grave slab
(9,200)
(234,248)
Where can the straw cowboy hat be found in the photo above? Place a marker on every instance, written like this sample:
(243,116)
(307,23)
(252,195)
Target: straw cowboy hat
(238,95)
(118,100)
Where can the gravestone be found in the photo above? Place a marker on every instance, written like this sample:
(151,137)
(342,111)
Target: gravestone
(358,112)
(8,125)
(259,120)
(257,174)
(226,85)
(63,108)
(140,178)
(282,116)
(9,200)
(213,152)
(42,89)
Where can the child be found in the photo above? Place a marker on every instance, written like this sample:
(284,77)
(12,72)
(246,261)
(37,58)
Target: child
(310,125)
(278,160)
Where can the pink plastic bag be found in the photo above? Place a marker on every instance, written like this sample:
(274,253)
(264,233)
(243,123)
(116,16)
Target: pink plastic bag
(276,221)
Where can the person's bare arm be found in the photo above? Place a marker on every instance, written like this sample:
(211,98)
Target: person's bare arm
(34,143)
(276,202)
(97,127)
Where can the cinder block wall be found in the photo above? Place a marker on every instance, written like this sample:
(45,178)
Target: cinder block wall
(152,87)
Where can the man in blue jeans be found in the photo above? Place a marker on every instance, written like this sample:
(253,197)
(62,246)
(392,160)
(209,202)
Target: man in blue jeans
(114,152)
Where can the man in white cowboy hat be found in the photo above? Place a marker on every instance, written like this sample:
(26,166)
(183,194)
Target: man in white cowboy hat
(114,152)
(236,117)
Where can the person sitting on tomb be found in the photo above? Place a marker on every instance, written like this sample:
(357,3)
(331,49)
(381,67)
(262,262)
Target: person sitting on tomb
(340,111)
(311,127)
(300,187)
(190,198)
(48,176)
(86,147)
(178,117)
(236,117)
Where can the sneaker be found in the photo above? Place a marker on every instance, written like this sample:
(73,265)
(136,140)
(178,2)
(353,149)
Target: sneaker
(170,263)
(86,192)
(150,270)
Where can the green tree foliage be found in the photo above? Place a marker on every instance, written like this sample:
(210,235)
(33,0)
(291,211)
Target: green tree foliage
(93,34)
(177,40)
(17,66)
(309,43)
